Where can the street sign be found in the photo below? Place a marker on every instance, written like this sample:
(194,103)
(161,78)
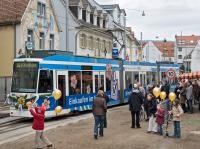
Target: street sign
(115,53)
(171,74)
(29,45)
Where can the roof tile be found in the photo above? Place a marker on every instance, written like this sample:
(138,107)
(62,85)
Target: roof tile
(11,11)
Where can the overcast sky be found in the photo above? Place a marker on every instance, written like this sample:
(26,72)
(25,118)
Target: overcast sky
(164,18)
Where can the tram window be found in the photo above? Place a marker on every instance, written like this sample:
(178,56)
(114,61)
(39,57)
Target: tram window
(102,81)
(45,81)
(128,79)
(108,84)
(87,82)
(96,83)
(74,82)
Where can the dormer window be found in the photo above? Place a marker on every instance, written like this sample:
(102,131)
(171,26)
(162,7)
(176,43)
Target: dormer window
(91,18)
(98,21)
(104,23)
(84,15)
(41,9)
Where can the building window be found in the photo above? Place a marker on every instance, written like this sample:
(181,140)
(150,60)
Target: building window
(104,23)
(180,49)
(51,42)
(90,43)
(30,35)
(41,9)
(103,45)
(98,21)
(181,42)
(98,44)
(84,15)
(83,41)
(179,56)
(91,19)
(42,41)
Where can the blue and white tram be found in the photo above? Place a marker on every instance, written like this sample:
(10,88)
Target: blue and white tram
(77,77)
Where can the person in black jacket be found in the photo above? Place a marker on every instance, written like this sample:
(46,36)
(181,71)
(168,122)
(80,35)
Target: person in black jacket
(165,88)
(152,107)
(135,101)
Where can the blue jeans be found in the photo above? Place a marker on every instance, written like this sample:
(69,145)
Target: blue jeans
(177,129)
(98,126)
(190,106)
(160,129)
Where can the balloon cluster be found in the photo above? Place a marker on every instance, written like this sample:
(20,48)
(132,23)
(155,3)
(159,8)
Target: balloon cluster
(57,94)
(157,93)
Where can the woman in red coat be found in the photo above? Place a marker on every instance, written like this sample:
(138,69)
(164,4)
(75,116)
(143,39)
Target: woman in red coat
(38,126)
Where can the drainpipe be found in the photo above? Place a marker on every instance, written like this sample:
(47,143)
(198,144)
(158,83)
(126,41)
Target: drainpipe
(15,51)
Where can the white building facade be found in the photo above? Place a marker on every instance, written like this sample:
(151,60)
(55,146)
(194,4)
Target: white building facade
(151,53)
(183,47)
(38,29)
(195,58)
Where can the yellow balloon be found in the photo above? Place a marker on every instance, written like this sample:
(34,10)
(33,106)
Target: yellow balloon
(57,94)
(58,109)
(156,91)
(163,95)
(172,96)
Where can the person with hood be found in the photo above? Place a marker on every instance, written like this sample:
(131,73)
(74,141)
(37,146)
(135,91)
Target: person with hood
(135,101)
(38,114)
(99,109)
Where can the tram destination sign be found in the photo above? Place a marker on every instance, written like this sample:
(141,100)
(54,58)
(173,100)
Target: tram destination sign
(26,65)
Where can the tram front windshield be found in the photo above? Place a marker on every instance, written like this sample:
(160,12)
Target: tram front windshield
(24,78)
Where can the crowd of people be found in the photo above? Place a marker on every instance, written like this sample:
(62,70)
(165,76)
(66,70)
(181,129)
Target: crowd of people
(158,111)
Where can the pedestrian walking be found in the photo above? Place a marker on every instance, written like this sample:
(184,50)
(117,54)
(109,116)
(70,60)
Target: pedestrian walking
(160,115)
(189,96)
(152,107)
(135,101)
(98,109)
(38,126)
(177,112)
(107,100)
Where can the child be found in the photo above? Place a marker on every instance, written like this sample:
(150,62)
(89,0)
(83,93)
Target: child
(177,111)
(38,125)
(160,114)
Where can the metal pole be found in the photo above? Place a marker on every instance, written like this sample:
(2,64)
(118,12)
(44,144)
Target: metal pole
(141,42)
(67,26)
(124,37)
(158,71)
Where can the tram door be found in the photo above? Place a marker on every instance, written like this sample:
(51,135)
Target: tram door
(98,81)
(61,85)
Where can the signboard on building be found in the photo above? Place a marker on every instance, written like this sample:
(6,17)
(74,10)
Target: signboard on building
(29,45)
(115,53)
(171,74)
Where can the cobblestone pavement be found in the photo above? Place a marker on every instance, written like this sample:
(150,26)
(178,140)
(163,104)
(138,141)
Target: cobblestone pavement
(118,135)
